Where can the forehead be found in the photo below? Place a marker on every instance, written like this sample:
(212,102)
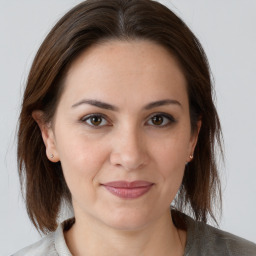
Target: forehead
(124,70)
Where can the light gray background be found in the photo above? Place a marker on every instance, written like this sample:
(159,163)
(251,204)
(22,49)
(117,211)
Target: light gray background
(227,31)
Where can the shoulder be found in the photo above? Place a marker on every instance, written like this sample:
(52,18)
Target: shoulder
(43,247)
(228,244)
(203,239)
(52,245)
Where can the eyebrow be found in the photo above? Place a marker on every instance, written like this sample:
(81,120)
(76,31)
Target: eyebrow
(105,105)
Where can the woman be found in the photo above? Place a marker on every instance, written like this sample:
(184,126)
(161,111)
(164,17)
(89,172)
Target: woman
(118,121)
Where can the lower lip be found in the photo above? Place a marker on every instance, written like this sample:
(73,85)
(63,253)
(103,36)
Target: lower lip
(128,193)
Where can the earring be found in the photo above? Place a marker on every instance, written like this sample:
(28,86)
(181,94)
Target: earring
(52,156)
(190,157)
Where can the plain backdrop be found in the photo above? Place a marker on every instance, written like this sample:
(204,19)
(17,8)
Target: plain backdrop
(227,32)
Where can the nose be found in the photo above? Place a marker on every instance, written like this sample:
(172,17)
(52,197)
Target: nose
(129,150)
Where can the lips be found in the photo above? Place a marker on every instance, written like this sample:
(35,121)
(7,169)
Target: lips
(128,190)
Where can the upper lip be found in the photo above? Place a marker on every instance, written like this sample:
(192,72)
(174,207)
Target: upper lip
(127,184)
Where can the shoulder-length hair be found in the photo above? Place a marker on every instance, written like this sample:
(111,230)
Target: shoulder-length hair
(89,23)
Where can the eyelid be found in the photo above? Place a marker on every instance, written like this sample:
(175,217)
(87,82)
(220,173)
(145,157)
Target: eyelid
(87,117)
(165,115)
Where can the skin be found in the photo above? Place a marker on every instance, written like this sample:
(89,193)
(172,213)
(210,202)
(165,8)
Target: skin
(126,145)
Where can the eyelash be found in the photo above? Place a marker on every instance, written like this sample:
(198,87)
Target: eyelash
(170,120)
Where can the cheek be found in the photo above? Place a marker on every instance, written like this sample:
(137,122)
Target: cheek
(170,157)
(172,172)
(81,158)
(172,164)
(172,151)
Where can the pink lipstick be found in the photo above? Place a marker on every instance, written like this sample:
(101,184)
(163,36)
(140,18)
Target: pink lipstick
(128,190)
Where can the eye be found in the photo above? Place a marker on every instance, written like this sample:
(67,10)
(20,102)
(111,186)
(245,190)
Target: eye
(161,120)
(95,120)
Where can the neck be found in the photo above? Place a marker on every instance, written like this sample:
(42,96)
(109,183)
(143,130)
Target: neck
(88,237)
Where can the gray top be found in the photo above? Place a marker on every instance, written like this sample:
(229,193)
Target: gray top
(202,240)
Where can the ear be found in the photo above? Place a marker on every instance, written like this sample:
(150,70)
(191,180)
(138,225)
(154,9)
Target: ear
(47,135)
(193,140)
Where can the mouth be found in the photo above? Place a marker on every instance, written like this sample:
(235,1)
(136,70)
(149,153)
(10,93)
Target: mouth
(128,190)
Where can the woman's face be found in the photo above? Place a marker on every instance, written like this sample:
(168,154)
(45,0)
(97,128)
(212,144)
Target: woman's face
(123,117)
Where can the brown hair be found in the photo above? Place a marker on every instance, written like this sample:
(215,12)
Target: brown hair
(87,24)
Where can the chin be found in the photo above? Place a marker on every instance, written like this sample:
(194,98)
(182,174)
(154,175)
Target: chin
(127,220)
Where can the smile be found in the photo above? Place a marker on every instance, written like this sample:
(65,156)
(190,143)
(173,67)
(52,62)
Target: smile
(128,190)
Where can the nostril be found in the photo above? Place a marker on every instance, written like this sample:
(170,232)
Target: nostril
(128,160)
(129,149)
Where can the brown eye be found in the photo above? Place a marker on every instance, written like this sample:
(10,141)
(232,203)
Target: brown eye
(95,120)
(157,120)
(161,120)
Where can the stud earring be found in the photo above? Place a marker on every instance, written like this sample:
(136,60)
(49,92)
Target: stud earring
(191,157)
(52,156)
